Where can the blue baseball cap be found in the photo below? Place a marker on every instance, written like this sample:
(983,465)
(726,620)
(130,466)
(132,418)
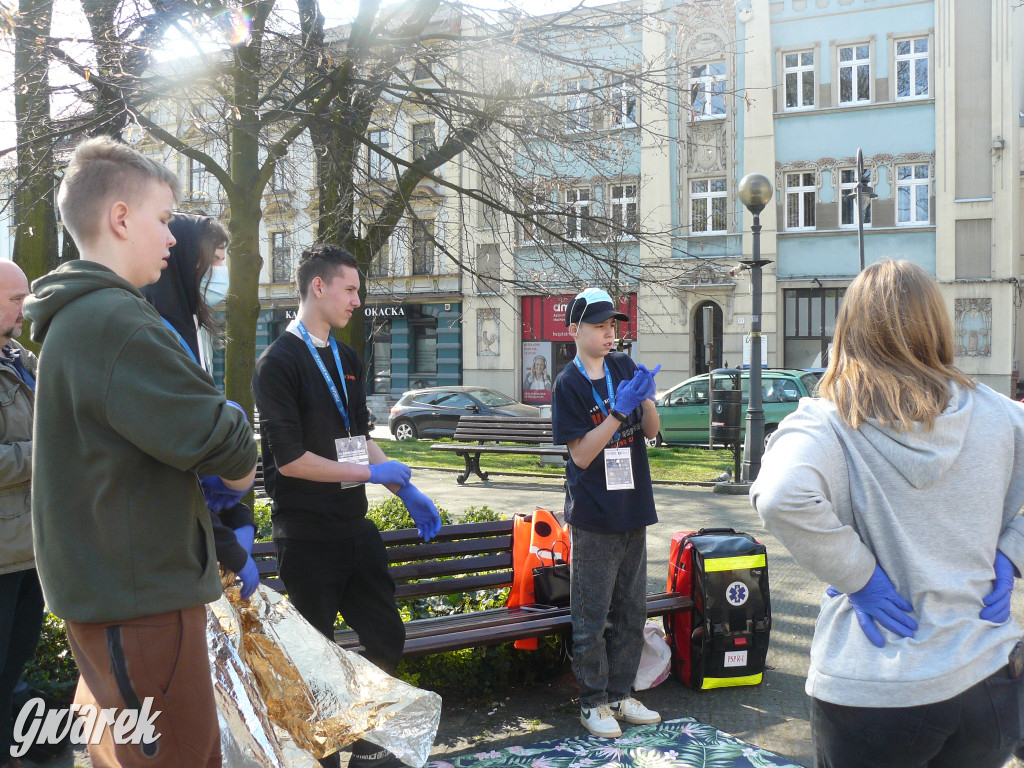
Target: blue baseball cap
(592,306)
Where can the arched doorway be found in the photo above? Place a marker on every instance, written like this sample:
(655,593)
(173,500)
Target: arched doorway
(707,352)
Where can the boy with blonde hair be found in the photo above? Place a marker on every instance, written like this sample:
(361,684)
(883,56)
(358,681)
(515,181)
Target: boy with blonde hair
(125,422)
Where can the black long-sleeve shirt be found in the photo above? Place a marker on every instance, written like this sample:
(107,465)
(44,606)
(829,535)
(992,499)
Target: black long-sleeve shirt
(298,414)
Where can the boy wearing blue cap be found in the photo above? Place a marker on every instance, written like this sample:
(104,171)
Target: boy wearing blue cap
(603,408)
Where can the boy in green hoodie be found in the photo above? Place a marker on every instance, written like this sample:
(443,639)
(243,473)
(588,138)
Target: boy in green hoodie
(125,424)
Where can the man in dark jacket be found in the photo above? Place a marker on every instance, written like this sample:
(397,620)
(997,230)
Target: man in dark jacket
(21,600)
(125,425)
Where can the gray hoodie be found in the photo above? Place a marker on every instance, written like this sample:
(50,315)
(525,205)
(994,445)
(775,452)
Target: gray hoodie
(930,507)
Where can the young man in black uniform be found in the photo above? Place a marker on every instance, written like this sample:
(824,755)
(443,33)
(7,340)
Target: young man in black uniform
(317,455)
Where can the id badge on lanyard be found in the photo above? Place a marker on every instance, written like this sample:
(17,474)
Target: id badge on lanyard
(352,450)
(618,469)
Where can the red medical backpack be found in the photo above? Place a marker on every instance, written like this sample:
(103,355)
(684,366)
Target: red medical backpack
(723,641)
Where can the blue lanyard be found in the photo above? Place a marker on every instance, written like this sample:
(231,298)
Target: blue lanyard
(327,376)
(597,397)
(181,339)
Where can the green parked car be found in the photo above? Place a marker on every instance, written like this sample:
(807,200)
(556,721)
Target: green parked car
(685,408)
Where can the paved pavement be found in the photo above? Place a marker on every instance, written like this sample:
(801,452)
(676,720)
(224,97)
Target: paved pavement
(773,715)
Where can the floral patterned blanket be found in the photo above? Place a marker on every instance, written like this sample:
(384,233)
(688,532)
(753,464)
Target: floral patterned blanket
(682,743)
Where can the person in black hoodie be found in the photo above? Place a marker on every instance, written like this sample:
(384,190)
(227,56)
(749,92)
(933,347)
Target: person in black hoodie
(183,296)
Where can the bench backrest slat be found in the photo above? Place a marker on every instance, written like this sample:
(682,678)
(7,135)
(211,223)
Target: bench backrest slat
(479,556)
(443,569)
(493,580)
(414,552)
(526,429)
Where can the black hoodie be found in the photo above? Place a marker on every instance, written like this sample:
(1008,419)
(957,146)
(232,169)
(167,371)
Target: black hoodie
(174,294)
(174,297)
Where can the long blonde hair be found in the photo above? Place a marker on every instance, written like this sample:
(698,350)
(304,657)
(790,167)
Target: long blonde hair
(892,358)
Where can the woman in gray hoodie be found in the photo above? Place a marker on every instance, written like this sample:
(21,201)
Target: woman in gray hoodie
(900,486)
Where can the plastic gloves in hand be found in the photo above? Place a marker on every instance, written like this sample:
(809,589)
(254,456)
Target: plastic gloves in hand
(629,394)
(879,601)
(649,389)
(997,603)
(390,473)
(218,496)
(422,511)
(245,536)
(250,577)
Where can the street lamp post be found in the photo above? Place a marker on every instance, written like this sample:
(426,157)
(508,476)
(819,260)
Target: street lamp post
(754,192)
(864,197)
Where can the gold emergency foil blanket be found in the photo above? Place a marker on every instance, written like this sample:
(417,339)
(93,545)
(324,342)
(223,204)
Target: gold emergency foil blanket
(323,696)
(248,739)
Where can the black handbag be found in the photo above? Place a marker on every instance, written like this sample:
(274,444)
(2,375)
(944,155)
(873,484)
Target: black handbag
(551,582)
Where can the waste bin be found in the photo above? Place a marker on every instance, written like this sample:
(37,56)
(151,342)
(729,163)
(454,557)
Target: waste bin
(726,409)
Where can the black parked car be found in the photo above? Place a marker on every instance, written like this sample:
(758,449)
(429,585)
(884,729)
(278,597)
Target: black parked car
(435,412)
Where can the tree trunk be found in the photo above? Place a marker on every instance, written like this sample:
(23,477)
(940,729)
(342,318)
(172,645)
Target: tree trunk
(35,235)
(246,202)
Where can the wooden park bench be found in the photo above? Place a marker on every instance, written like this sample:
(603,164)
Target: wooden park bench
(533,435)
(461,558)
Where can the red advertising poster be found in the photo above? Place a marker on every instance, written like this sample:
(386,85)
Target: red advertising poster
(544,317)
(537,377)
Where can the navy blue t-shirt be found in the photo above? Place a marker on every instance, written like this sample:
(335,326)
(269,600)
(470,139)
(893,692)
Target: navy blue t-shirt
(589,505)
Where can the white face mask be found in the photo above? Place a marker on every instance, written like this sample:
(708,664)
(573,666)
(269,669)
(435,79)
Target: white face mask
(215,287)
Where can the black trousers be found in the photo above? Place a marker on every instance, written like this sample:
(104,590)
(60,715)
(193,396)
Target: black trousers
(350,577)
(21,619)
(979,728)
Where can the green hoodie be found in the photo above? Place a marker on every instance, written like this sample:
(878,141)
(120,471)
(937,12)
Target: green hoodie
(125,421)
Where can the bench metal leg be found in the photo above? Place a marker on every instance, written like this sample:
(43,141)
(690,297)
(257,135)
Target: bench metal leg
(472,467)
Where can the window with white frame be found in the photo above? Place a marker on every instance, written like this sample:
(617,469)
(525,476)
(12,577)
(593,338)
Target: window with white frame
(279,178)
(198,179)
(798,72)
(854,74)
(577,209)
(623,103)
(379,166)
(708,206)
(848,197)
(577,104)
(281,264)
(380,262)
(800,193)
(912,68)
(423,142)
(913,191)
(707,90)
(624,207)
(538,221)
(422,247)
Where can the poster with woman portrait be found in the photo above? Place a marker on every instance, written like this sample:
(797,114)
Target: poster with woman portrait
(537,372)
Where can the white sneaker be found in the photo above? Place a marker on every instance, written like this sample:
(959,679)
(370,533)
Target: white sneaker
(632,711)
(600,722)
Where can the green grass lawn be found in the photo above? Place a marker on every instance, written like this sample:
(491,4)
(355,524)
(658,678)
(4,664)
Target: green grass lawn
(672,464)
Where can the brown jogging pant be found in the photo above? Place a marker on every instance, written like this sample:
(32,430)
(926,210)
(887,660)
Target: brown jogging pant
(162,657)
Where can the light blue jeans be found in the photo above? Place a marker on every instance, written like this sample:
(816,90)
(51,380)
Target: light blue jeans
(608,603)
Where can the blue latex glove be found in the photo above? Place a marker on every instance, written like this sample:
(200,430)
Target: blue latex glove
(250,577)
(629,394)
(649,389)
(997,603)
(218,496)
(422,511)
(390,473)
(246,535)
(879,601)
